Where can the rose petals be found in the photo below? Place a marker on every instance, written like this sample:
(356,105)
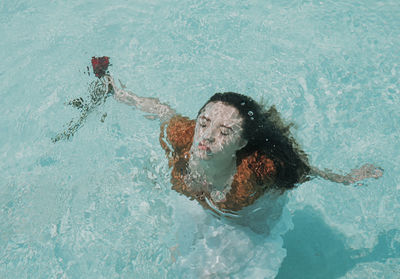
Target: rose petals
(100,65)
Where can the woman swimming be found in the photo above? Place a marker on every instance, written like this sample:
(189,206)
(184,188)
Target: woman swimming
(234,152)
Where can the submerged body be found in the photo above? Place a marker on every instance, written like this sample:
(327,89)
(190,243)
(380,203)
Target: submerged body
(234,153)
(248,200)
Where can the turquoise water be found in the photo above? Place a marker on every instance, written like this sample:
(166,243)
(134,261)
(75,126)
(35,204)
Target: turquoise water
(100,205)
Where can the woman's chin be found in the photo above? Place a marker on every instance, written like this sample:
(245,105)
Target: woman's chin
(203,154)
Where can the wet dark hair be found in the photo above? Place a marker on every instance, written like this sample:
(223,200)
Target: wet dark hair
(267,133)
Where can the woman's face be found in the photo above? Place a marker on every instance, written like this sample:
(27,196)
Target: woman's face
(218,133)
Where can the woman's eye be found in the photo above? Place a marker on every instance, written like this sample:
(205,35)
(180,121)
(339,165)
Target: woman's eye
(203,123)
(224,133)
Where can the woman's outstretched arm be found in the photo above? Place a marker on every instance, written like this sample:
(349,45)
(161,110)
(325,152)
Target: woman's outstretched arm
(149,105)
(366,171)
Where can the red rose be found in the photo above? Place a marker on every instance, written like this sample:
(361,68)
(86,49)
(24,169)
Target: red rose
(100,65)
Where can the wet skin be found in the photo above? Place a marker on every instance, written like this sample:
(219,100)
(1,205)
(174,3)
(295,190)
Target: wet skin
(218,133)
(217,137)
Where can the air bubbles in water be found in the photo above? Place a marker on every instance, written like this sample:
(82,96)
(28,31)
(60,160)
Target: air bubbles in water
(242,103)
(251,118)
(250,113)
(266,139)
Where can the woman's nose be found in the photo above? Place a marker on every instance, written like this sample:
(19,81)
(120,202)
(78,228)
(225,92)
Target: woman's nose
(209,134)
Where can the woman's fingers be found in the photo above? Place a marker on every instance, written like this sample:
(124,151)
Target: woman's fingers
(372,171)
(366,171)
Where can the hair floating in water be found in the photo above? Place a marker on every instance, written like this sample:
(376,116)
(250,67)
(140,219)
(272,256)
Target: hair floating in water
(99,91)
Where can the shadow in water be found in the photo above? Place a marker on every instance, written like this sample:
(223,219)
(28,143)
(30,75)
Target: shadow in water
(315,250)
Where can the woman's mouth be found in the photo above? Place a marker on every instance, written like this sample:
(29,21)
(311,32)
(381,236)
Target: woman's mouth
(204,147)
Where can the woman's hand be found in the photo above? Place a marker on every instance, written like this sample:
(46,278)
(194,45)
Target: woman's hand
(366,171)
(119,93)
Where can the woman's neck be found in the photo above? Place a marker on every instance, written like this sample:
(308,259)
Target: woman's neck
(217,175)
